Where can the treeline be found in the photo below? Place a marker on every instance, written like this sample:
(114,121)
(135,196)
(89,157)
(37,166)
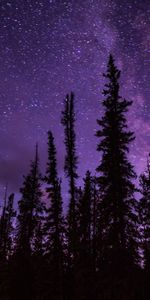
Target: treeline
(101,249)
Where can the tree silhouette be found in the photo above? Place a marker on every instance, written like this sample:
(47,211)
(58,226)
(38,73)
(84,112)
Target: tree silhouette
(54,221)
(6,227)
(84,212)
(30,208)
(144,215)
(68,121)
(10,215)
(95,251)
(118,205)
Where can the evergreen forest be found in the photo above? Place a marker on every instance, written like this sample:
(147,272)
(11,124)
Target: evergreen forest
(99,248)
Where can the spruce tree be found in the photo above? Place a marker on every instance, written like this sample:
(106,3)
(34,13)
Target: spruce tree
(68,121)
(30,207)
(117,204)
(10,213)
(3,228)
(7,228)
(96,225)
(144,216)
(54,222)
(84,212)
(84,266)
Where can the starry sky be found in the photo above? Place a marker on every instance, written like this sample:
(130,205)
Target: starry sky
(50,47)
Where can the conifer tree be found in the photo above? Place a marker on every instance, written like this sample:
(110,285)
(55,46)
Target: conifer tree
(6,227)
(118,205)
(84,212)
(3,228)
(84,266)
(68,121)
(38,248)
(54,221)
(96,225)
(144,216)
(11,213)
(30,207)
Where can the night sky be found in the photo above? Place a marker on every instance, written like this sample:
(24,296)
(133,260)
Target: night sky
(47,49)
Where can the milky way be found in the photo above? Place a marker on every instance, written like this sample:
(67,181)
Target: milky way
(49,48)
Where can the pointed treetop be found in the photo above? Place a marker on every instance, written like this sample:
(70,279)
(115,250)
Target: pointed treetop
(111,59)
(49,132)
(112,71)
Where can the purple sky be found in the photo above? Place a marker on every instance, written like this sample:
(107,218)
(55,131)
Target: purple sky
(51,47)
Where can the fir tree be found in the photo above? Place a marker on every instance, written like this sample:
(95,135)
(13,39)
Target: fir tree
(96,225)
(118,206)
(30,210)
(144,216)
(54,221)
(30,207)
(3,228)
(7,228)
(10,215)
(38,248)
(84,212)
(68,121)
(84,267)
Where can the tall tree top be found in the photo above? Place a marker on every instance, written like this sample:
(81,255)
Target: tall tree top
(114,123)
(51,171)
(68,121)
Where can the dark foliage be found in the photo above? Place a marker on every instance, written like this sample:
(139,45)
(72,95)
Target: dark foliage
(144,221)
(92,253)
(68,121)
(118,218)
(7,228)
(54,223)
(29,216)
(70,167)
(144,215)
(30,208)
